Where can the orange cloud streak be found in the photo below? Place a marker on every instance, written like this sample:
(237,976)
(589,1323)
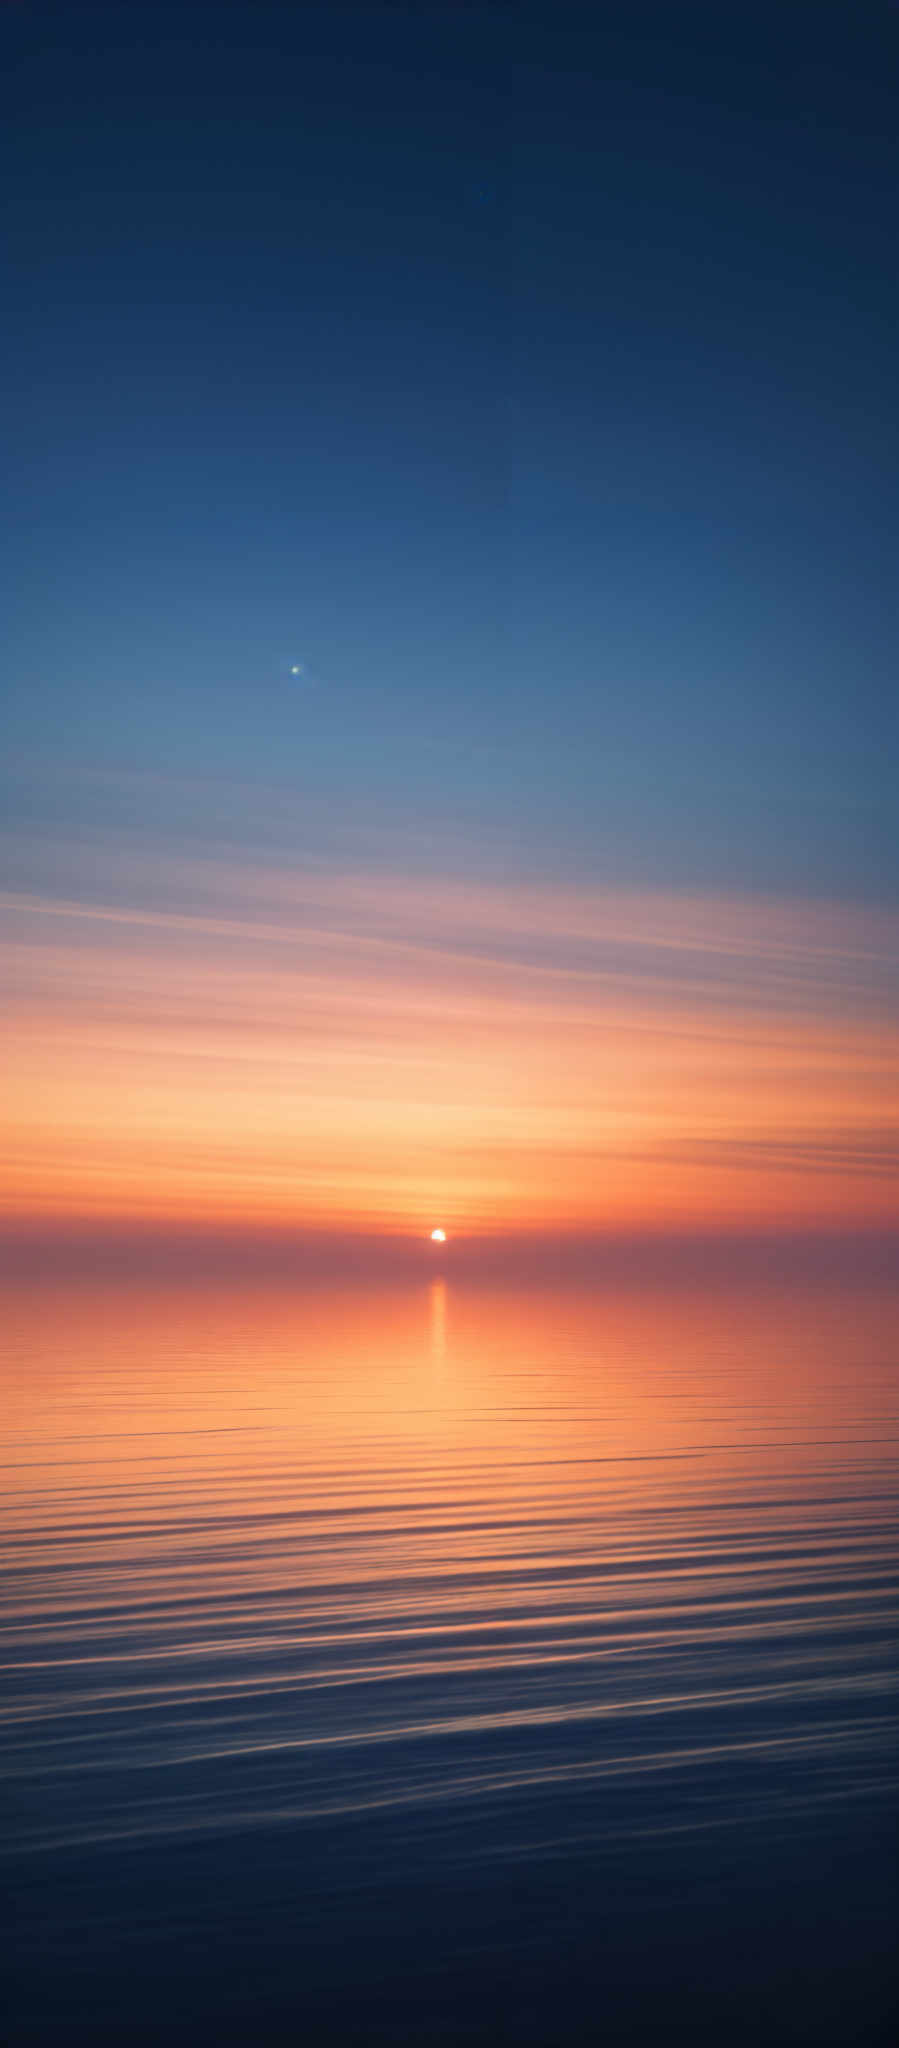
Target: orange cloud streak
(371,1052)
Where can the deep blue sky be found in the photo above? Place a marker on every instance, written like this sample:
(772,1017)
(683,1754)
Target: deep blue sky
(526,372)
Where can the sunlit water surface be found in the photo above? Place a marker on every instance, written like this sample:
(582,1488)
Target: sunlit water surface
(450,1664)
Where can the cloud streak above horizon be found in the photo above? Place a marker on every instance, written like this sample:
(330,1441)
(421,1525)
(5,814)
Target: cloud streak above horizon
(206,1042)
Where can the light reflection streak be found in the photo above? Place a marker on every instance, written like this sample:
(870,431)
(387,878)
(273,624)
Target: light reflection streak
(438,1321)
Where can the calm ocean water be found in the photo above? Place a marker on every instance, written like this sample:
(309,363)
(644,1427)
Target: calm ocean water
(450,1664)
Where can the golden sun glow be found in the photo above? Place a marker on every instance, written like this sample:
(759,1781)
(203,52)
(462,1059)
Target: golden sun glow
(320,1052)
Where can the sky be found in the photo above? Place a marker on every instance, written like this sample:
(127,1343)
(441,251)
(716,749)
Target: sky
(449,742)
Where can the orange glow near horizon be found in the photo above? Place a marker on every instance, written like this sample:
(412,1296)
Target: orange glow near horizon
(351,1053)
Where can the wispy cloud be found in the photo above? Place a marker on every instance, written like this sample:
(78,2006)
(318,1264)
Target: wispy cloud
(282,1044)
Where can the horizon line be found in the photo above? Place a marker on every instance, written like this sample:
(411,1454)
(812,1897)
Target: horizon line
(46,1248)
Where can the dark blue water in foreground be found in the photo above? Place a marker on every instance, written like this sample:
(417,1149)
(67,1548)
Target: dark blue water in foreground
(450,1666)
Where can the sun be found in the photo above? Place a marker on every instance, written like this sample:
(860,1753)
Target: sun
(438,1237)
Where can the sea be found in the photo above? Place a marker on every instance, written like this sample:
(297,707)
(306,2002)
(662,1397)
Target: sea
(450,1662)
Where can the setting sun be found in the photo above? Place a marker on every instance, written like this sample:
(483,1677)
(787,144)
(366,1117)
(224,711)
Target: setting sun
(438,1237)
